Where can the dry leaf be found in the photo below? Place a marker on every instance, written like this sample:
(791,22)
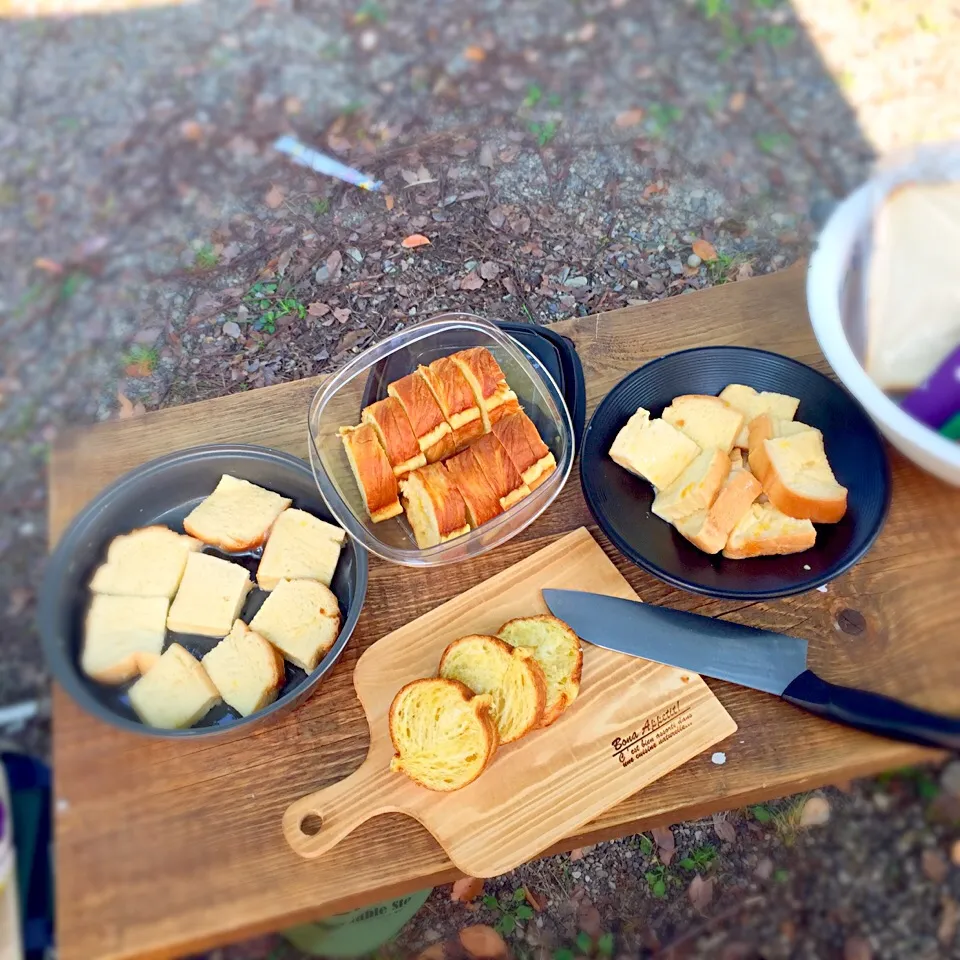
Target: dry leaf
(510,285)
(129,410)
(388,200)
(48,266)
(19,600)
(666,844)
(318,309)
(434,952)
(483,941)
(486,156)
(191,130)
(414,240)
(815,813)
(652,188)
(489,270)
(353,338)
(509,154)
(274,197)
(342,314)
(292,106)
(744,271)
(589,919)
(497,217)
(471,281)
(935,866)
(423,174)
(857,948)
(475,54)
(409,176)
(464,147)
(955,853)
(629,118)
(700,892)
(577,853)
(737,101)
(764,869)
(466,889)
(704,249)
(724,829)
(534,899)
(948,920)
(334,265)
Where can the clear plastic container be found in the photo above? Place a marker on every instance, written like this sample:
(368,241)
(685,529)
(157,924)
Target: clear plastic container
(364,379)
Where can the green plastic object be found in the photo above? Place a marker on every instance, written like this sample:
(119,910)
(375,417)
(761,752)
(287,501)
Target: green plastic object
(358,932)
(951,429)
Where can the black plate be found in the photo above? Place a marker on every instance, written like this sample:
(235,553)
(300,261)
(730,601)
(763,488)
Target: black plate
(164,491)
(621,502)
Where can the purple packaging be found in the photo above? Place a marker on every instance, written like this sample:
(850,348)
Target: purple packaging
(937,400)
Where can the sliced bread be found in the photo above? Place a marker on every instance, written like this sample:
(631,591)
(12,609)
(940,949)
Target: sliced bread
(444,736)
(764,531)
(652,449)
(752,403)
(695,489)
(301,618)
(301,547)
(709,529)
(122,636)
(211,594)
(708,421)
(557,649)
(525,447)
(799,481)
(237,516)
(435,507)
(148,562)
(246,669)
(510,675)
(769,427)
(175,693)
(372,471)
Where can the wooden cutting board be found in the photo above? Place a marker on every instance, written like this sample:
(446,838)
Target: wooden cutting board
(633,722)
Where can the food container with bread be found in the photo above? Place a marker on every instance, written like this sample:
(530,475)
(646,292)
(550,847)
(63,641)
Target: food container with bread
(441,442)
(885,305)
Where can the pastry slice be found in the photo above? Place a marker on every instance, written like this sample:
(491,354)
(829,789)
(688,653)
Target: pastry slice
(751,404)
(301,547)
(653,449)
(709,529)
(435,507)
(707,421)
(396,435)
(525,448)
(443,735)
(499,470)
(799,481)
(245,669)
(481,500)
(175,693)
(430,427)
(695,489)
(237,516)
(768,427)
(122,636)
(489,385)
(211,594)
(372,470)
(456,400)
(764,531)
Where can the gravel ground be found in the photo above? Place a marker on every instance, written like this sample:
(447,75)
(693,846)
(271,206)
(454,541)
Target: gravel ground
(561,159)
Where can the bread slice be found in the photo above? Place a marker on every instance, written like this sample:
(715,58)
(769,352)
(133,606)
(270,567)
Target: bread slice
(799,481)
(393,428)
(148,562)
(122,636)
(510,675)
(768,427)
(653,449)
(764,531)
(246,669)
(301,547)
(557,649)
(372,471)
(708,421)
(481,500)
(525,447)
(751,404)
(175,693)
(490,388)
(237,516)
(434,505)
(433,433)
(695,489)
(301,618)
(709,529)
(499,470)
(444,736)
(211,594)
(456,399)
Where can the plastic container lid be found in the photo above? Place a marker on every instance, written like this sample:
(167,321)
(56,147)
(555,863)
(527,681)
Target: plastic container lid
(340,401)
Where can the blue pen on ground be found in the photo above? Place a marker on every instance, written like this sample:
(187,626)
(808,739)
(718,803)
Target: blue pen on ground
(322,163)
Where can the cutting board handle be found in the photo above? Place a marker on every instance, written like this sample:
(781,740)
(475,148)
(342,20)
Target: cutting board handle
(321,820)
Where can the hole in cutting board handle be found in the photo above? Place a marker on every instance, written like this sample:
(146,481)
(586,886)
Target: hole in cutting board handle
(311,824)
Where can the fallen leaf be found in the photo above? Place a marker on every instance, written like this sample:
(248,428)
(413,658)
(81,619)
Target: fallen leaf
(334,266)
(489,270)
(815,813)
(318,309)
(737,101)
(471,281)
(857,948)
(274,197)
(497,217)
(423,174)
(434,952)
(410,176)
(521,225)
(509,284)
(704,249)
(466,889)
(475,54)
(724,829)
(128,409)
(744,271)
(955,853)
(629,118)
(666,844)
(935,866)
(486,156)
(577,854)
(464,147)
(342,314)
(191,130)
(414,240)
(353,338)
(589,919)
(292,106)
(764,869)
(653,188)
(949,918)
(19,600)
(388,200)
(48,266)
(483,941)
(534,899)
(509,154)
(700,892)
(141,369)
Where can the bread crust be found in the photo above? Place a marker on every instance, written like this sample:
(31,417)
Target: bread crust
(442,496)
(733,501)
(396,435)
(433,433)
(489,385)
(525,448)
(500,471)
(800,507)
(479,496)
(455,397)
(372,470)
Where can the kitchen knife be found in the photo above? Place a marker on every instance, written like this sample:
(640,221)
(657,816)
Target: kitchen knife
(751,657)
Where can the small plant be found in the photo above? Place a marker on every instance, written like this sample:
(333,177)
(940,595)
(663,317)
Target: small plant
(712,9)
(587,946)
(71,285)
(772,142)
(142,361)
(662,116)
(554,101)
(370,10)
(700,859)
(781,875)
(645,844)
(762,814)
(321,205)
(605,945)
(205,258)
(657,879)
(262,297)
(544,132)
(511,910)
(533,97)
(776,34)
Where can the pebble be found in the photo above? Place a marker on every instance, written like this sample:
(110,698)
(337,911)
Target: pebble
(719,758)
(577,282)
(693,260)
(355,254)
(950,778)
(232,329)
(676,267)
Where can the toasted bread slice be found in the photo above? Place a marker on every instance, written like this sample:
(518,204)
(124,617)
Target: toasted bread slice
(237,516)
(148,562)
(511,675)
(456,399)
(751,404)
(709,529)
(393,428)
(444,736)
(557,649)
(696,488)
(434,505)
(490,388)
(372,471)
(498,468)
(764,531)
(245,669)
(769,427)
(122,636)
(481,500)
(799,481)
(525,447)
(175,693)
(708,421)
(653,449)
(433,433)
(211,594)
(301,547)
(301,618)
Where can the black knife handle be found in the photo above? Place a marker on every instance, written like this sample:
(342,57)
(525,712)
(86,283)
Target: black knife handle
(872,712)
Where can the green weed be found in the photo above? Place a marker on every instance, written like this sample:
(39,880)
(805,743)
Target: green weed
(205,258)
(720,270)
(662,116)
(781,875)
(511,911)
(778,35)
(762,814)
(555,101)
(544,131)
(645,844)
(369,11)
(321,205)
(143,358)
(700,859)
(772,142)
(533,97)
(262,298)
(71,285)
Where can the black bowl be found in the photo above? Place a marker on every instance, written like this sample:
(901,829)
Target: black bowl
(621,502)
(164,491)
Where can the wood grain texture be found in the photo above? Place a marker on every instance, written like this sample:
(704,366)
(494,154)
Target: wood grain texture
(164,848)
(561,777)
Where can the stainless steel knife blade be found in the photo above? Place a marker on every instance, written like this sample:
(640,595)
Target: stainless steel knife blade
(755,658)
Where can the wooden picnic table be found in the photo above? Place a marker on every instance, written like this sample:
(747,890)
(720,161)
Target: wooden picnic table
(163,847)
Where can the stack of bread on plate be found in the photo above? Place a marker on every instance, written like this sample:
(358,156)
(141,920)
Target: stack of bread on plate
(449,445)
(156,580)
(489,691)
(734,473)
